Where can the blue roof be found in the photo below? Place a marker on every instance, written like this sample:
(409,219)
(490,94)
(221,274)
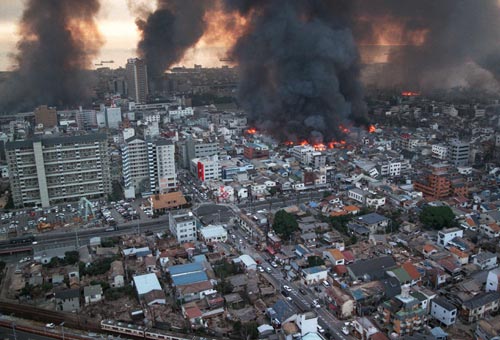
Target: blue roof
(283,310)
(372,218)
(185,268)
(302,250)
(188,279)
(314,270)
(199,258)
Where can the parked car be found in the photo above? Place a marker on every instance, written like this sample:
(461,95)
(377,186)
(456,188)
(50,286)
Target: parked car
(50,325)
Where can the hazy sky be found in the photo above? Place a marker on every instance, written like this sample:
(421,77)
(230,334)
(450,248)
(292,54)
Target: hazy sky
(117,28)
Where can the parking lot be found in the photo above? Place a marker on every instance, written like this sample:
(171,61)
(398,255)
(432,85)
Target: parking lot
(69,216)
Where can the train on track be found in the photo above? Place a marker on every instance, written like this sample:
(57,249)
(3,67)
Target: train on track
(134,331)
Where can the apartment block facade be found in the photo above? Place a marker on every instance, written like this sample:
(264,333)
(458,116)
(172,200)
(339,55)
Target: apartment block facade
(49,170)
(183,227)
(148,166)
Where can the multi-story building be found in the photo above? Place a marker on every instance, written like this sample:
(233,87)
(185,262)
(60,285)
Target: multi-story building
(458,153)
(255,151)
(48,170)
(46,116)
(197,148)
(439,151)
(439,183)
(390,168)
(113,116)
(183,227)
(180,112)
(443,311)
(137,79)
(403,313)
(479,306)
(148,166)
(206,168)
(445,236)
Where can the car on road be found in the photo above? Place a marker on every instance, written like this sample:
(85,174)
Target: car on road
(302,291)
(50,325)
(315,304)
(260,269)
(289,298)
(287,288)
(241,241)
(345,330)
(269,270)
(321,329)
(274,264)
(326,283)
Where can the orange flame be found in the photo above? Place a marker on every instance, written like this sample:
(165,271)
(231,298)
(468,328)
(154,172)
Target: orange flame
(304,143)
(319,147)
(410,94)
(251,131)
(371,129)
(288,142)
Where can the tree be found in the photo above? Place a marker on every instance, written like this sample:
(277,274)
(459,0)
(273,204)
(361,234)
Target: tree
(71,257)
(273,191)
(284,224)
(437,218)
(314,261)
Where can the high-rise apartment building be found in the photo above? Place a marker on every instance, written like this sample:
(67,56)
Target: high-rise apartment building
(148,166)
(48,170)
(137,80)
(46,116)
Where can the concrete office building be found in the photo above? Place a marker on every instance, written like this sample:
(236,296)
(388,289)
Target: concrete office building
(113,116)
(48,170)
(458,153)
(137,80)
(197,148)
(183,227)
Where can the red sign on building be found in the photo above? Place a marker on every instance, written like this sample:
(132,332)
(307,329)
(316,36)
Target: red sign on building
(201,171)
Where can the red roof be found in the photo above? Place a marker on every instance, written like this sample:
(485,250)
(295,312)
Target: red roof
(193,312)
(348,256)
(411,270)
(270,250)
(340,269)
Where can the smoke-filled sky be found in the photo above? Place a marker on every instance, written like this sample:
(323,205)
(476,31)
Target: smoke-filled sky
(118,29)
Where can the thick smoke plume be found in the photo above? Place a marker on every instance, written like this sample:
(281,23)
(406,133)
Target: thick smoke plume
(299,68)
(58,41)
(442,44)
(169,31)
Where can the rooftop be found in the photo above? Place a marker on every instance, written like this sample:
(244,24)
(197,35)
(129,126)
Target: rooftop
(146,283)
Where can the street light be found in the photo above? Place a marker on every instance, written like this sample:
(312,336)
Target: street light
(14,330)
(62,328)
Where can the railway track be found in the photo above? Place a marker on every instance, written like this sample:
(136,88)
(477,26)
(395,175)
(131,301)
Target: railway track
(71,320)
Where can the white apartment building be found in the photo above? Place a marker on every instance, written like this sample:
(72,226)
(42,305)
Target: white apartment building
(165,166)
(390,168)
(213,234)
(439,151)
(49,169)
(304,153)
(148,166)
(180,112)
(443,311)
(446,235)
(183,227)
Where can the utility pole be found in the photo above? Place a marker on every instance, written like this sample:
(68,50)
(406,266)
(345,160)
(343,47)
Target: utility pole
(14,330)
(62,327)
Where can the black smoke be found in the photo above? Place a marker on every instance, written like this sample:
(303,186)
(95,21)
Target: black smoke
(460,45)
(58,41)
(169,31)
(299,68)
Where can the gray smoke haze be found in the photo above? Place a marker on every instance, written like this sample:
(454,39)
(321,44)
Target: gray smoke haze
(459,45)
(59,40)
(299,74)
(169,31)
